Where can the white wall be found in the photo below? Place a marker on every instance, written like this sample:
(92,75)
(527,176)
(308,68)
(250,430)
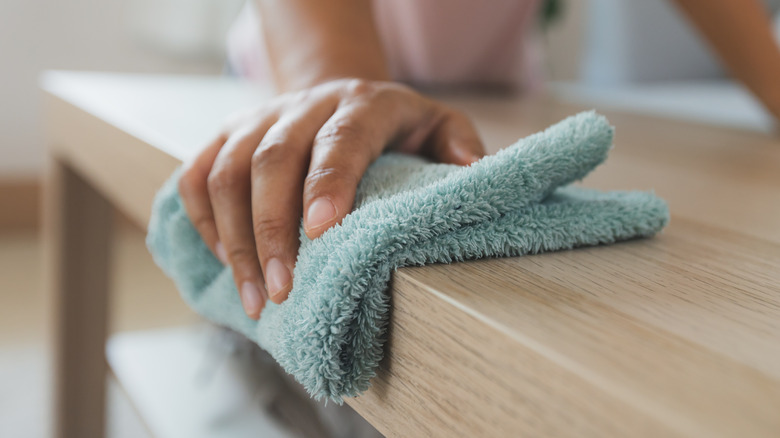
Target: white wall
(564,42)
(606,42)
(609,43)
(633,41)
(89,35)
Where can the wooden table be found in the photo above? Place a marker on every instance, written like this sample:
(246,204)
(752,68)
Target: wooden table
(678,335)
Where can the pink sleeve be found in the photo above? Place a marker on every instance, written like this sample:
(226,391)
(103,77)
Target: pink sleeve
(430,42)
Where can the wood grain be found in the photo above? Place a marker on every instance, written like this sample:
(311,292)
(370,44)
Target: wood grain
(678,335)
(714,175)
(652,325)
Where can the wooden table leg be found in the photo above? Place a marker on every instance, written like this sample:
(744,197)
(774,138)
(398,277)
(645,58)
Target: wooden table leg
(78,233)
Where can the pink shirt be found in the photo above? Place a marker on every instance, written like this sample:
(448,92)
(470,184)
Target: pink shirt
(429,42)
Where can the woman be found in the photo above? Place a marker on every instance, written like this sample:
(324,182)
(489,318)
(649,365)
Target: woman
(339,65)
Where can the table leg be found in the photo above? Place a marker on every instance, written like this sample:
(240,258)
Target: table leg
(78,233)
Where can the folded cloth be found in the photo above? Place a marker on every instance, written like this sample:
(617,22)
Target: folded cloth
(330,332)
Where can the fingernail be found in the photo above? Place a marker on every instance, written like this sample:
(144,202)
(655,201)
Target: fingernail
(221,254)
(465,155)
(321,211)
(250,297)
(277,276)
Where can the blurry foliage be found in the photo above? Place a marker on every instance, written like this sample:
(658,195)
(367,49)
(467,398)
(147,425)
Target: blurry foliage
(550,12)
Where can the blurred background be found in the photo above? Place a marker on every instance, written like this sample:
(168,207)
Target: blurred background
(634,54)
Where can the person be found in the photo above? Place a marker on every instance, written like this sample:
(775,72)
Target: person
(345,71)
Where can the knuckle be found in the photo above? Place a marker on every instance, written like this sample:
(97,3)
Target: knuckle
(221,181)
(340,132)
(241,254)
(358,87)
(301,96)
(202,221)
(318,180)
(361,92)
(269,153)
(293,99)
(266,227)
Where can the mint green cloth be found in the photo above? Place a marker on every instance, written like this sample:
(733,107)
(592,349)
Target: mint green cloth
(330,332)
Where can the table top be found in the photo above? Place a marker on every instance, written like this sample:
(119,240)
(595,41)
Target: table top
(676,335)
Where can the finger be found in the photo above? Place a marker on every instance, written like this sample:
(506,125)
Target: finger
(279,166)
(194,193)
(455,140)
(229,191)
(344,147)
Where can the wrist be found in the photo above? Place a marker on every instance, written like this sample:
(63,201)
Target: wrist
(318,78)
(302,71)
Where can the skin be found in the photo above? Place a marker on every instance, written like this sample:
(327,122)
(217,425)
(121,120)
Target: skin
(302,154)
(740,32)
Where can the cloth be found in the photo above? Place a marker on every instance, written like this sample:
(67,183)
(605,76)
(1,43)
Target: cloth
(439,43)
(330,332)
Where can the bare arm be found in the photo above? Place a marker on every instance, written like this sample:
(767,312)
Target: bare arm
(302,154)
(312,41)
(740,32)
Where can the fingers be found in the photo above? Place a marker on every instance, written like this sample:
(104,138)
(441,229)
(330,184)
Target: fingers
(230,194)
(343,149)
(279,166)
(455,140)
(194,194)
(246,193)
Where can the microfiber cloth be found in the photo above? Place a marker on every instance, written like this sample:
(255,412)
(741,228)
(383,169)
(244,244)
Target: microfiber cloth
(329,333)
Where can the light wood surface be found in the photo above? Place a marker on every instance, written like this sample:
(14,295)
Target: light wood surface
(666,333)
(673,336)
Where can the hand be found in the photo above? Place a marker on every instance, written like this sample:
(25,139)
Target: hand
(302,155)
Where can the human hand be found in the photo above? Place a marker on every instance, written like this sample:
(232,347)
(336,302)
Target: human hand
(303,154)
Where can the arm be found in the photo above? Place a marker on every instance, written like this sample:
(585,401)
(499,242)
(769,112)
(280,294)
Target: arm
(311,41)
(302,154)
(741,34)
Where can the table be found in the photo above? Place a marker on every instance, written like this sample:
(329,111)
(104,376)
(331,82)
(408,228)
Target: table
(678,335)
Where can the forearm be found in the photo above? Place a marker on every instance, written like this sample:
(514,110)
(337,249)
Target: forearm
(740,33)
(312,41)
